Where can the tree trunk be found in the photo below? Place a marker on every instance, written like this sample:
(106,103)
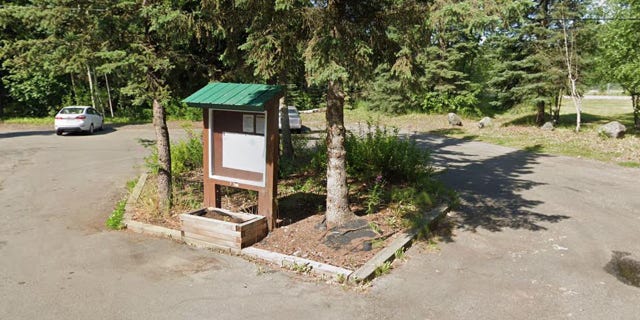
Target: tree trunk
(164,158)
(106,81)
(557,105)
(572,73)
(287,146)
(635,103)
(540,113)
(337,191)
(73,89)
(577,102)
(98,94)
(93,98)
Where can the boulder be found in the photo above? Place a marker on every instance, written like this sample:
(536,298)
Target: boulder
(613,129)
(547,126)
(485,122)
(454,119)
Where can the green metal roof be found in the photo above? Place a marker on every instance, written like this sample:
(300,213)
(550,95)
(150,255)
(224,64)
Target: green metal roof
(233,96)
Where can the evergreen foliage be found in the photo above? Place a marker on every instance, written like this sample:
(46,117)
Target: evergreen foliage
(396,56)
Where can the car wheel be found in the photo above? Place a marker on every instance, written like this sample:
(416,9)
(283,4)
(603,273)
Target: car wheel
(91,130)
(59,132)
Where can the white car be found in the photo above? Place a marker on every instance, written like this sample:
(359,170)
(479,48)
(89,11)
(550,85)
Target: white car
(78,119)
(295,123)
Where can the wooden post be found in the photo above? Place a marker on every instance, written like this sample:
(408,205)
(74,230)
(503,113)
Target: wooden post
(268,196)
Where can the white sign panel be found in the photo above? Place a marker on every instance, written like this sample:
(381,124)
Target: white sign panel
(247,123)
(260,125)
(243,152)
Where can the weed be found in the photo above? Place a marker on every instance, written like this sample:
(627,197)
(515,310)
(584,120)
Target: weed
(341,278)
(375,228)
(300,268)
(308,186)
(114,221)
(400,254)
(131,184)
(432,245)
(392,221)
(261,270)
(375,195)
(377,243)
(630,164)
(383,269)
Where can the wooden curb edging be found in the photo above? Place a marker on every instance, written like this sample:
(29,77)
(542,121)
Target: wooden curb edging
(141,227)
(364,273)
(388,254)
(284,260)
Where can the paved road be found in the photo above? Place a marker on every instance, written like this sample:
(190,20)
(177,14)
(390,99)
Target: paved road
(532,241)
(534,238)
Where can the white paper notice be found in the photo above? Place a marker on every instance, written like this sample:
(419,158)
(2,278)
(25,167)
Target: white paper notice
(260,125)
(243,152)
(247,123)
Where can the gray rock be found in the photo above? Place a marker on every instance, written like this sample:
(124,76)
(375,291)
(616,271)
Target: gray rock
(613,129)
(454,120)
(485,122)
(547,126)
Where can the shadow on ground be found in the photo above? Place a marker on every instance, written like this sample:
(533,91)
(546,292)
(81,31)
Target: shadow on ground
(490,188)
(15,134)
(298,206)
(49,132)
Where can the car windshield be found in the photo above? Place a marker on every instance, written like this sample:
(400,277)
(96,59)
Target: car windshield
(71,110)
(293,112)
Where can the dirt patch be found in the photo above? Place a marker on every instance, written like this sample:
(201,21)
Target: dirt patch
(301,228)
(217,215)
(348,246)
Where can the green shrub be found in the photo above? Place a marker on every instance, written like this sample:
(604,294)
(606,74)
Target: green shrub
(382,153)
(185,156)
(411,195)
(308,158)
(464,103)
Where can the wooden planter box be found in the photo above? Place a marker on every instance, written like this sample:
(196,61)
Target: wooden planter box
(229,230)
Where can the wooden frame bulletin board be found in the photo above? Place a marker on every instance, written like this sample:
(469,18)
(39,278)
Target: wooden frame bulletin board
(240,141)
(241,151)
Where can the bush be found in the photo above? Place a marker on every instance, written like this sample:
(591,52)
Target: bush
(308,158)
(379,152)
(465,103)
(185,156)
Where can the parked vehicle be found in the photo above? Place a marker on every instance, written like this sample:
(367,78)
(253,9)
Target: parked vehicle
(295,122)
(78,119)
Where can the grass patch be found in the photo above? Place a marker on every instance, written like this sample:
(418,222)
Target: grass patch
(125,120)
(516,129)
(114,221)
(630,164)
(29,121)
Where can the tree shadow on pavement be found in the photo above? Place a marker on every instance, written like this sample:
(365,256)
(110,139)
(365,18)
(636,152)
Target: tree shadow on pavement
(489,188)
(14,134)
